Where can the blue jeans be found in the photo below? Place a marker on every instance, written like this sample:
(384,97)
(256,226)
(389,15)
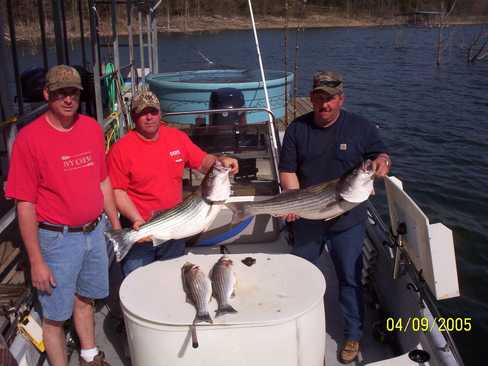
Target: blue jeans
(345,248)
(145,253)
(79,264)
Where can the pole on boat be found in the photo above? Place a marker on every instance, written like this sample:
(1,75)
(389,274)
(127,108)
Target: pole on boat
(58,32)
(274,144)
(96,61)
(141,45)
(115,38)
(5,97)
(42,20)
(131,48)
(154,27)
(149,42)
(82,35)
(13,40)
(65,32)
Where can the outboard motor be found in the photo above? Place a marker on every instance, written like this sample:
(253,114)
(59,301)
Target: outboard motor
(234,137)
(226,98)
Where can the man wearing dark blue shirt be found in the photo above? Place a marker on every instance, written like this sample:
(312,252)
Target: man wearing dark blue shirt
(320,146)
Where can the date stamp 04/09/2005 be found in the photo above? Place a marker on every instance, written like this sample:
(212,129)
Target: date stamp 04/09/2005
(426,324)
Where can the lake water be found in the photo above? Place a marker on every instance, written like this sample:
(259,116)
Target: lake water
(433,119)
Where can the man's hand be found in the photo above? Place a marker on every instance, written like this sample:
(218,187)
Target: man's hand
(42,277)
(381,165)
(290,217)
(136,226)
(229,162)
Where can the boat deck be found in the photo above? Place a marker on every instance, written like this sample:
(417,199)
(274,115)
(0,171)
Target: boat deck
(111,337)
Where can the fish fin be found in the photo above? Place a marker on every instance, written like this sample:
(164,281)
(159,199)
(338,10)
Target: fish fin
(120,242)
(321,186)
(333,217)
(157,241)
(225,309)
(202,317)
(156,214)
(239,212)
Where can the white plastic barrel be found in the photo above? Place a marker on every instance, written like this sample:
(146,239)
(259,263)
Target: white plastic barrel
(280,319)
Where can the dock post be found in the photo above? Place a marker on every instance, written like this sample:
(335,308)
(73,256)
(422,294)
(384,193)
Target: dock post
(96,62)
(58,32)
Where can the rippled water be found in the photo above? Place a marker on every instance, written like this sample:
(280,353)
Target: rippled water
(434,120)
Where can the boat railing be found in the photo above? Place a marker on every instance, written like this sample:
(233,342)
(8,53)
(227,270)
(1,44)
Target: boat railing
(427,301)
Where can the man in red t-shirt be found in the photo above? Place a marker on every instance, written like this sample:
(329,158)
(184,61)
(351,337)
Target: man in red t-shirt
(59,180)
(146,170)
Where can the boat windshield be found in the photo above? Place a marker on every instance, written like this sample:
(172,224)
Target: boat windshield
(226,132)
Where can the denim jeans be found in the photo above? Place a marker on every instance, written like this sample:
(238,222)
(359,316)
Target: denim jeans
(145,253)
(79,264)
(345,248)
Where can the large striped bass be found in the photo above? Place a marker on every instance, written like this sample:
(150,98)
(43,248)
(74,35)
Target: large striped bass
(319,202)
(223,285)
(198,290)
(193,216)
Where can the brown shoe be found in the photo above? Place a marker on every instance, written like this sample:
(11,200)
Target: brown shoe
(99,360)
(349,351)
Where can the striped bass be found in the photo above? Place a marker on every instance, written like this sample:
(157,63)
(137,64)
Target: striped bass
(319,202)
(223,285)
(192,216)
(198,290)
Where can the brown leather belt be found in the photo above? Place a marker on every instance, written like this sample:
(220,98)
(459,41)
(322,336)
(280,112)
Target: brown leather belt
(72,229)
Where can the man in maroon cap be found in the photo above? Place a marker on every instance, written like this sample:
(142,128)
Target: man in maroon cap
(59,180)
(318,147)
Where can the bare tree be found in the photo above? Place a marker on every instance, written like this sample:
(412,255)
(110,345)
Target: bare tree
(478,49)
(443,23)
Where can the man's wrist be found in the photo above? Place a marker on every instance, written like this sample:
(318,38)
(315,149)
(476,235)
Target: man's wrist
(384,157)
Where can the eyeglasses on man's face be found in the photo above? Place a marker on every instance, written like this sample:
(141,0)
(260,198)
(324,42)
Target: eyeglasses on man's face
(329,83)
(59,94)
(322,97)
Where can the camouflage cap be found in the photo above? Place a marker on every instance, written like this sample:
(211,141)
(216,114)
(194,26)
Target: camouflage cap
(329,82)
(62,76)
(145,99)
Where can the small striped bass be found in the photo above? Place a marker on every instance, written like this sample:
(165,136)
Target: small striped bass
(319,202)
(198,290)
(223,285)
(193,216)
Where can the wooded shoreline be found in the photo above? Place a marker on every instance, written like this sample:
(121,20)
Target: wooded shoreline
(28,32)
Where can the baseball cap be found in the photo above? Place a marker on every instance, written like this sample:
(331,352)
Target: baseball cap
(328,81)
(63,76)
(144,100)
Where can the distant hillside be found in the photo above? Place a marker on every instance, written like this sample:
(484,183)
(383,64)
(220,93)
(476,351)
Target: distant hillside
(217,15)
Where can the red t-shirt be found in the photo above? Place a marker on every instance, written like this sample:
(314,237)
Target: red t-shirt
(151,172)
(60,172)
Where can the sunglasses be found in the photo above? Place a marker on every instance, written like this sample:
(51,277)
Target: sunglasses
(322,98)
(149,110)
(63,93)
(329,83)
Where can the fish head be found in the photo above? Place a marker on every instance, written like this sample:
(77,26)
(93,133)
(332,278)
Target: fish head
(189,268)
(225,261)
(216,184)
(358,185)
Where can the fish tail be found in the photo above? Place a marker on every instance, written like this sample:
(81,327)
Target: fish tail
(203,317)
(239,211)
(120,242)
(225,309)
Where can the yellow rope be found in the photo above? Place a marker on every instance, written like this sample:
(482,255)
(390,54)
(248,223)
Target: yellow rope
(8,121)
(114,117)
